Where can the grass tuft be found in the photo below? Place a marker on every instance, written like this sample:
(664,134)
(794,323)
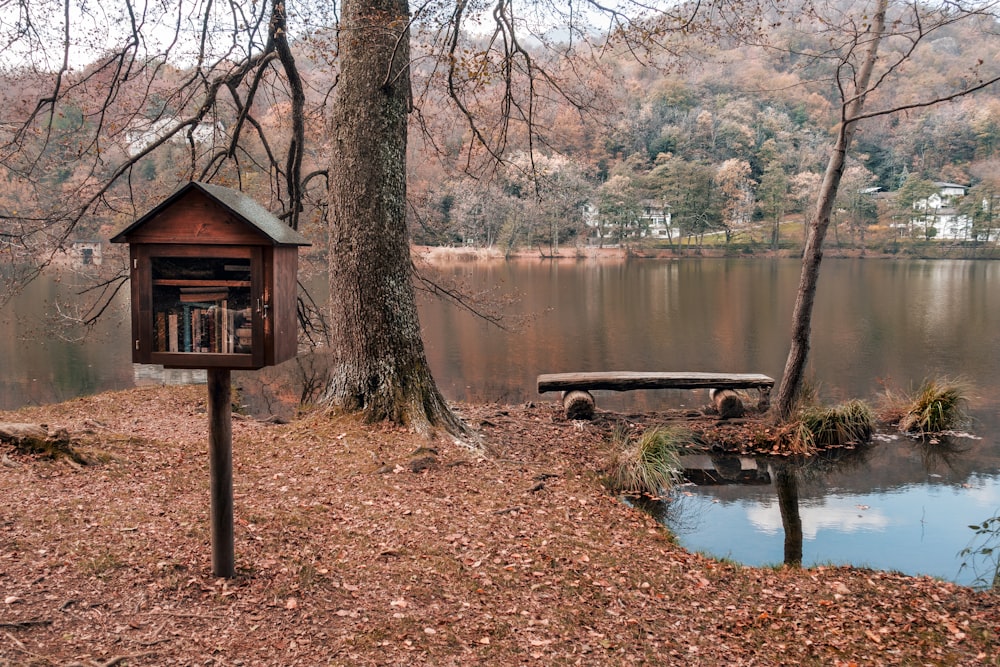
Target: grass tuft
(816,428)
(939,405)
(647,465)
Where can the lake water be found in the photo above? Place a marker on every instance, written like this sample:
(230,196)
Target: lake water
(906,507)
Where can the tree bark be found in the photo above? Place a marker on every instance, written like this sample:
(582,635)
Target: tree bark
(812,255)
(727,402)
(380,367)
(22,435)
(578,404)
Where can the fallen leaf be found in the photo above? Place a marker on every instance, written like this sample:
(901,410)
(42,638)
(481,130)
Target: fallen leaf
(839,587)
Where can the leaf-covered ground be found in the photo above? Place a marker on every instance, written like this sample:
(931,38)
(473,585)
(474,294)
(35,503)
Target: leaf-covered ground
(355,547)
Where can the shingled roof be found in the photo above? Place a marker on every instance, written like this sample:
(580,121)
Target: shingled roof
(239,204)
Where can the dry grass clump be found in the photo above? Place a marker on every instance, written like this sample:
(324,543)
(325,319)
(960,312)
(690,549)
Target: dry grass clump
(939,405)
(817,428)
(649,464)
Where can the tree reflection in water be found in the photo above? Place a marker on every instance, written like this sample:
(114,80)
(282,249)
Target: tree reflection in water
(787,485)
(785,474)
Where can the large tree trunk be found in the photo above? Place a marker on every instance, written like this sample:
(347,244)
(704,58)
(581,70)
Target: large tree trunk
(812,255)
(380,367)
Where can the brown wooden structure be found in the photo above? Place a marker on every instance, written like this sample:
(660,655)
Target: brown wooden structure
(214,281)
(576,387)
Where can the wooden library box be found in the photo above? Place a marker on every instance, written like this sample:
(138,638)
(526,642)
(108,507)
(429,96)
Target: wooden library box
(214,278)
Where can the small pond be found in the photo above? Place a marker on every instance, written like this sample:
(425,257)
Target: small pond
(902,504)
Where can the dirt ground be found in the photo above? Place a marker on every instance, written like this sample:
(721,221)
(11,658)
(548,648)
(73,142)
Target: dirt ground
(363,545)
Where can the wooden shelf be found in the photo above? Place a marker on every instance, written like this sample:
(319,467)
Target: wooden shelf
(195,282)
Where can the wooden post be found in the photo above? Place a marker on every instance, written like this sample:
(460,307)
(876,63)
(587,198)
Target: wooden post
(578,404)
(727,402)
(220,460)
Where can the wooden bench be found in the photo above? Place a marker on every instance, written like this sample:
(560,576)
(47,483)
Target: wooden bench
(579,403)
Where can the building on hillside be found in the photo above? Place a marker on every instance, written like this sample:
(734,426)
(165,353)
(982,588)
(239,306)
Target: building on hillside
(651,220)
(143,133)
(591,215)
(949,191)
(655,221)
(937,216)
(86,253)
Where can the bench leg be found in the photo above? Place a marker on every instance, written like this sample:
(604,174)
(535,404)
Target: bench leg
(764,402)
(578,404)
(727,402)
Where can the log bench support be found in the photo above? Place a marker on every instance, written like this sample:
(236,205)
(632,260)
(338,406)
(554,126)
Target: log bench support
(579,402)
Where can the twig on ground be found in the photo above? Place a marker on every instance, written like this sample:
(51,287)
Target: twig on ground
(18,625)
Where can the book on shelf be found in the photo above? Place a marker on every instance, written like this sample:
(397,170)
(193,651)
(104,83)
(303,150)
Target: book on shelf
(203,327)
(161,331)
(173,333)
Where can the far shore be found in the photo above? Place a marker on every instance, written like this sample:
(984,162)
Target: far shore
(434,254)
(470,253)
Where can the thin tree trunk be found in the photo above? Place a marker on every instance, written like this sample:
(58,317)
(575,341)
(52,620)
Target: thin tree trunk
(793,376)
(380,367)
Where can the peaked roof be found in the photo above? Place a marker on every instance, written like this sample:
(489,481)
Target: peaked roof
(239,204)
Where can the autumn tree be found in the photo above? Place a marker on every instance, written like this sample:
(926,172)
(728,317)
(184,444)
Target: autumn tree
(772,197)
(862,71)
(737,199)
(913,204)
(694,198)
(856,201)
(981,205)
(553,189)
(618,208)
(235,64)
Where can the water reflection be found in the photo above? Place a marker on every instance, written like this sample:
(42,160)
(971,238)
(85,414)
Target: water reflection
(45,359)
(827,510)
(784,474)
(786,485)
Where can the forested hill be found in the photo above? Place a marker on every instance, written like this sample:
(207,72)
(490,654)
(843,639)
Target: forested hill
(733,133)
(724,124)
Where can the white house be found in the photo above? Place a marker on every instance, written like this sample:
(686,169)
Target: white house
(654,221)
(142,133)
(950,190)
(86,253)
(938,216)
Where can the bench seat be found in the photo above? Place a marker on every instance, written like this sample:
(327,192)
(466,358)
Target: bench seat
(582,384)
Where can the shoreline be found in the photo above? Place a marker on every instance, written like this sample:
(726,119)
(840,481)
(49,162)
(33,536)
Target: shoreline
(433,254)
